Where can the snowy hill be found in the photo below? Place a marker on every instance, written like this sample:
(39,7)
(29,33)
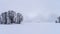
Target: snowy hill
(31,28)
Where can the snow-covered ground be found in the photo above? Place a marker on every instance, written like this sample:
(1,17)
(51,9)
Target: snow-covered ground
(31,28)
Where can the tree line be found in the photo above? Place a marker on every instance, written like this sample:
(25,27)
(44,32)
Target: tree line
(11,17)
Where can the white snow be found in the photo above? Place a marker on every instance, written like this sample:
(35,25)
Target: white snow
(31,28)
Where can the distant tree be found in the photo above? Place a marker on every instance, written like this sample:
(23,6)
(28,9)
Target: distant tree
(58,21)
(0,19)
(11,15)
(19,18)
(4,17)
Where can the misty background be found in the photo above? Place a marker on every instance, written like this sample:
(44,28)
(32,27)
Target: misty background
(33,10)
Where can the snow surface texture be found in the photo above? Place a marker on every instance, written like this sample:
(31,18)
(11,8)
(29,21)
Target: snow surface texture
(31,28)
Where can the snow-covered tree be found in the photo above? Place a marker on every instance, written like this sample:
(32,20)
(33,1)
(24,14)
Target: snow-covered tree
(19,18)
(4,17)
(10,17)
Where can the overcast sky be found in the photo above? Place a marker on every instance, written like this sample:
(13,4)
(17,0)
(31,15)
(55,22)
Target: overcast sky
(33,10)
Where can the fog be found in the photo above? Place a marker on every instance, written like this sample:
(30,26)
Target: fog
(33,10)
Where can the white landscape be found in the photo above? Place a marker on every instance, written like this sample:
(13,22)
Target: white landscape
(31,28)
(39,16)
